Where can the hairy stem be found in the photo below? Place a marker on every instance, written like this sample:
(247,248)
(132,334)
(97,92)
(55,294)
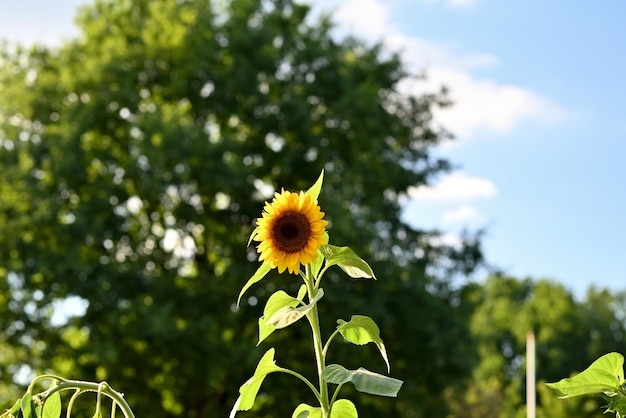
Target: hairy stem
(320,360)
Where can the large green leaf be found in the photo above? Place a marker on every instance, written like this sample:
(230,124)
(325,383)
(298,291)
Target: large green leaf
(256,277)
(605,375)
(348,261)
(287,315)
(249,390)
(277,301)
(362,330)
(363,380)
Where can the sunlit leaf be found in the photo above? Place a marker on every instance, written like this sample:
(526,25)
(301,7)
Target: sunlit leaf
(317,265)
(52,406)
(257,276)
(362,330)
(277,301)
(343,408)
(605,375)
(315,189)
(249,390)
(363,380)
(302,292)
(27,407)
(288,315)
(348,261)
(307,411)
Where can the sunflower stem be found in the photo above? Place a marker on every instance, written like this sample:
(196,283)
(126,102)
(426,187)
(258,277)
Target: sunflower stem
(320,356)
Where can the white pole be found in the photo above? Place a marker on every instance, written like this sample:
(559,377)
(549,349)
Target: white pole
(530,375)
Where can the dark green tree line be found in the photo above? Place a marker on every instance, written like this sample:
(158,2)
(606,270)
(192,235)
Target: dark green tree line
(133,161)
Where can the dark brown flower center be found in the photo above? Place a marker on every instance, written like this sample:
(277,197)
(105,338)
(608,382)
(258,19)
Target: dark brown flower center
(291,232)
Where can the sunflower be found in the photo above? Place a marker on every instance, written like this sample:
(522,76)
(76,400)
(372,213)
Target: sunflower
(290,231)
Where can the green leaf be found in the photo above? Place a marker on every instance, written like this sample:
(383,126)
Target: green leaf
(52,406)
(257,276)
(277,301)
(249,390)
(314,191)
(605,375)
(302,292)
(27,407)
(343,408)
(362,330)
(288,315)
(348,261)
(317,265)
(307,411)
(16,406)
(363,380)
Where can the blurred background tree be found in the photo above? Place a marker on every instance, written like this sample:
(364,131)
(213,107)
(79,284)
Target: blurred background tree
(134,160)
(569,336)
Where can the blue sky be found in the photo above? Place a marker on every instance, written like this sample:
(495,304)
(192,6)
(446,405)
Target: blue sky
(539,120)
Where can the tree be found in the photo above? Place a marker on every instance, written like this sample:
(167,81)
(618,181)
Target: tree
(569,336)
(133,162)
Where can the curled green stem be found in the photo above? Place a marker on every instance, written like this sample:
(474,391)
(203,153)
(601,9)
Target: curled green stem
(79,387)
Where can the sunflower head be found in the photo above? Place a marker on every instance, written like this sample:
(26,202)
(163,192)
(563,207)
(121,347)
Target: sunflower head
(290,231)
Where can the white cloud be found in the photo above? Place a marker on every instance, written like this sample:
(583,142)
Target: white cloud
(419,54)
(480,105)
(460,214)
(486,106)
(456,186)
(368,18)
